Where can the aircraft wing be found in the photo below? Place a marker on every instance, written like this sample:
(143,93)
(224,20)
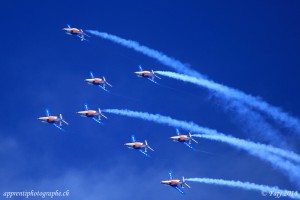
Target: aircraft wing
(133,138)
(68,26)
(188,145)
(170,175)
(96,120)
(143,152)
(140,67)
(178,189)
(177,131)
(103,88)
(60,128)
(47,112)
(150,79)
(81,37)
(91,75)
(86,106)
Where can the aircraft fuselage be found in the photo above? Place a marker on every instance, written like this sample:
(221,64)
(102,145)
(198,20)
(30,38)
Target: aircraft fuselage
(180,138)
(73,31)
(172,182)
(94,81)
(144,73)
(135,145)
(49,119)
(88,113)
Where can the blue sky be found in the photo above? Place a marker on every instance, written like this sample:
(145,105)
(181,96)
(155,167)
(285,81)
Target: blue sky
(253,46)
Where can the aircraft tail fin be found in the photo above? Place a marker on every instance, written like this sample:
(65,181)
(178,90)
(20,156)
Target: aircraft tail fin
(191,137)
(106,82)
(62,120)
(147,146)
(100,113)
(184,183)
(154,74)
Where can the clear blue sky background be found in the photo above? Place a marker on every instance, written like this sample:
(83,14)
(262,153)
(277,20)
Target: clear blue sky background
(253,46)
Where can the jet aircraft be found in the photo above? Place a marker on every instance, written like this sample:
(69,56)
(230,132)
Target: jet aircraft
(101,82)
(95,115)
(176,183)
(150,75)
(140,146)
(75,31)
(57,121)
(184,138)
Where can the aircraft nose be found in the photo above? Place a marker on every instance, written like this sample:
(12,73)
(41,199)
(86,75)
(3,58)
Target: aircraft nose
(89,80)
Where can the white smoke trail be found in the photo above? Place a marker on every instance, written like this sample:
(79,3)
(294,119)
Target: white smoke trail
(206,132)
(263,128)
(264,189)
(239,143)
(257,149)
(264,152)
(248,119)
(274,112)
(251,101)
(164,59)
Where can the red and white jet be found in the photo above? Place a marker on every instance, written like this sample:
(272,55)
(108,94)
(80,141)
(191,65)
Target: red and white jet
(184,138)
(140,146)
(150,75)
(101,82)
(53,120)
(95,115)
(176,183)
(75,31)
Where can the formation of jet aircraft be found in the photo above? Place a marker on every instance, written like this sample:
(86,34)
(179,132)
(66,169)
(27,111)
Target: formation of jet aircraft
(97,115)
(142,147)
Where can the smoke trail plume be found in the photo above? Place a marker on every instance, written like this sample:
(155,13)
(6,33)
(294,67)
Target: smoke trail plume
(206,132)
(258,150)
(274,112)
(251,101)
(249,117)
(264,152)
(240,143)
(164,59)
(264,189)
